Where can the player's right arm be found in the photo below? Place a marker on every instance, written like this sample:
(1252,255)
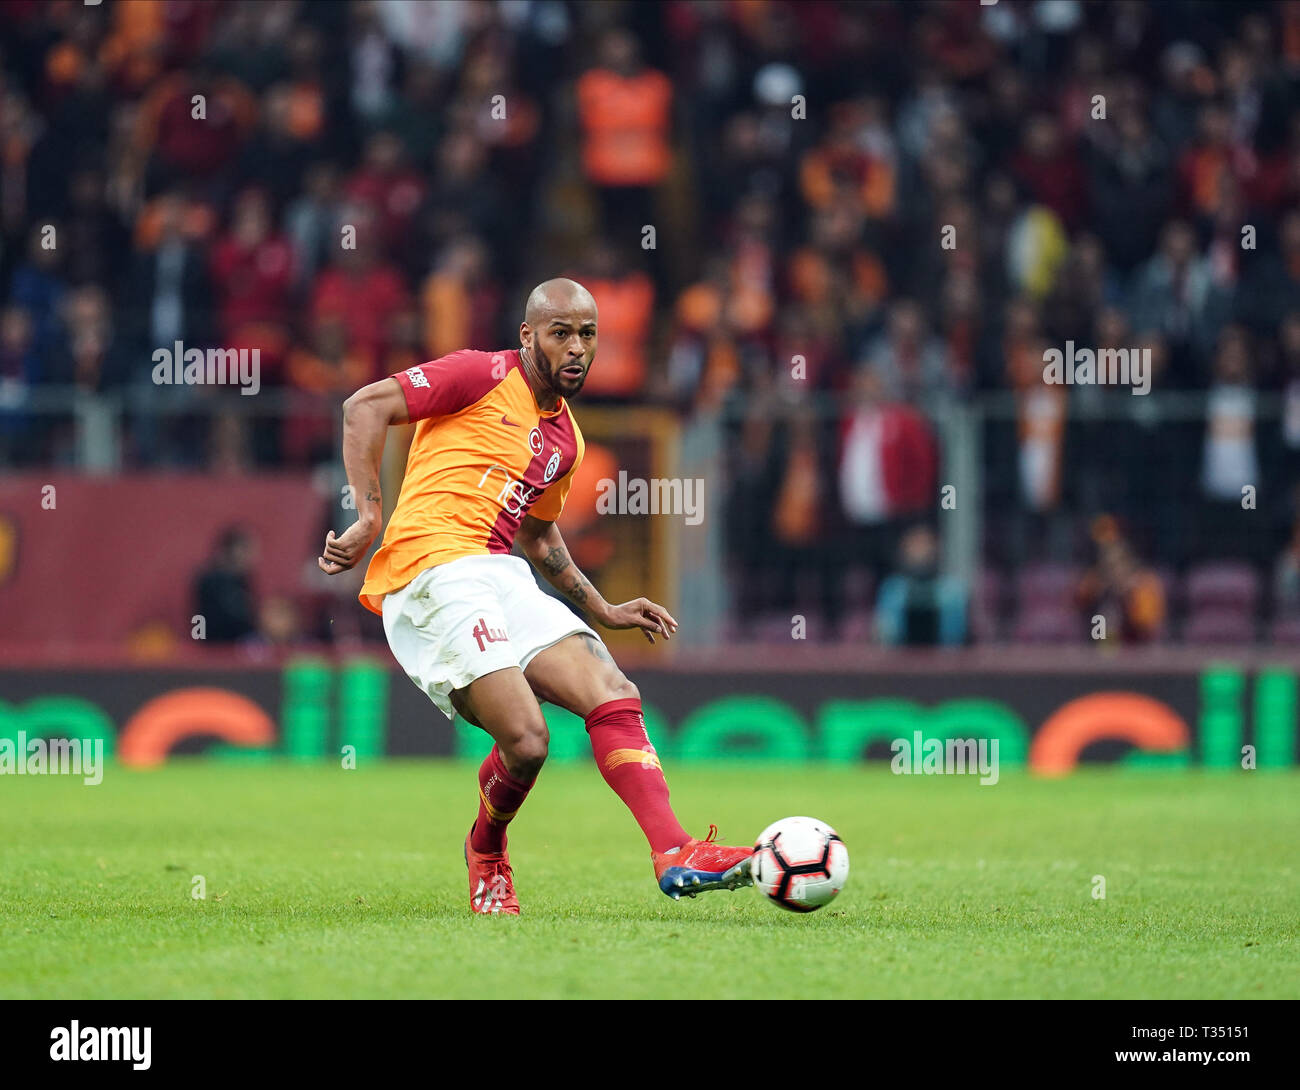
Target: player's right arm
(367,416)
(437,388)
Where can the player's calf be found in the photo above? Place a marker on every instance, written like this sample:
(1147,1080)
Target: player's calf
(504,705)
(630,765)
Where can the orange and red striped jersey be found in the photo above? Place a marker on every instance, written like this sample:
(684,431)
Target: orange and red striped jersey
(484,455)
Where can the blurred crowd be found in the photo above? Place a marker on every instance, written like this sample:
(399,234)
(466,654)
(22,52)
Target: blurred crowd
(861,215)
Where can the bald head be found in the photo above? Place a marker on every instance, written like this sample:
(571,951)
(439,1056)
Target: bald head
(560,297)
(557,338)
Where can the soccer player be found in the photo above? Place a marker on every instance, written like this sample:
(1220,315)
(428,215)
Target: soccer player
(490,466)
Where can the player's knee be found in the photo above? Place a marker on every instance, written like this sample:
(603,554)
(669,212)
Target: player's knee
(525,750)
(617,687)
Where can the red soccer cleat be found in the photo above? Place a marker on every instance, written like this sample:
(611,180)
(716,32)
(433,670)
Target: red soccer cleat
(491,882)
(702,865)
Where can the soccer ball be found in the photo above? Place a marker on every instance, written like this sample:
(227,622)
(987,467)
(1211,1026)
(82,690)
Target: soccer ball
(800,863)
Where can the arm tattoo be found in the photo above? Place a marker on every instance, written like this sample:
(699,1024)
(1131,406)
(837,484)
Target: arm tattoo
(578,590)
(372,491)
(555,561)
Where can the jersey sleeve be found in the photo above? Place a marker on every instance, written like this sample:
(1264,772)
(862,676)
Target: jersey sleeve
(445,386)
(551,502)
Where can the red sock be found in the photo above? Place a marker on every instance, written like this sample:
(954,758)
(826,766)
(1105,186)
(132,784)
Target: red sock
(631,767)
(499,797)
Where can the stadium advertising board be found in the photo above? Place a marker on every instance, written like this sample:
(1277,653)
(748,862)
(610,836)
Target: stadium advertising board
(313,710)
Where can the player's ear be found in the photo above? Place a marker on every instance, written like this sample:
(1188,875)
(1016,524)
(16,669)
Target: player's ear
(525,335)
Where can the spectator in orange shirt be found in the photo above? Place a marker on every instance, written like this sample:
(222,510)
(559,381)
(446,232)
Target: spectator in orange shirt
(460,301)
(625,111)
(840,281)
(626,298)
(858,156)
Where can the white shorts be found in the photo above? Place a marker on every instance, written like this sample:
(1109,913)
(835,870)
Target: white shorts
(457,621)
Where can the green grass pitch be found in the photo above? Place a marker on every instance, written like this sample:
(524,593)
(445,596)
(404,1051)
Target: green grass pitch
(323,883)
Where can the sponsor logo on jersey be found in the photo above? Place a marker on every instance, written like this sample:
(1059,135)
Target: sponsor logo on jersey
(483,635)
(418,377)
(513,496)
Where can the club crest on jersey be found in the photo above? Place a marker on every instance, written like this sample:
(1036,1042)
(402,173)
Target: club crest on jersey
(418,377)
(551,467)
(535,440)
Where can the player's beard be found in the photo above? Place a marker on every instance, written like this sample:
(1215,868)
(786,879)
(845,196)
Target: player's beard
(550,374)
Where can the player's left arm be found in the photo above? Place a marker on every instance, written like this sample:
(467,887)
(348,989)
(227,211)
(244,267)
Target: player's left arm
(543,544)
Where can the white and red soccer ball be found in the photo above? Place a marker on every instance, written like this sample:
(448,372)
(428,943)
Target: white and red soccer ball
(800,863)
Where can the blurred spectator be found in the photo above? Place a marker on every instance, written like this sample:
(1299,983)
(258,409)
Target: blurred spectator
(19,372)
(279,150)
(1272,286)
(1040,430)
(1230,468)
(916,606)
(1286,572)
(1186,81)
(90,355)
(1049,168)
(856,158)
(93,236)
(500,113)
(841,283)
(312,222)
(1036,245)
(1289,379)
(911,363)
(461,303)
(223,589)
(799,516)
(176,149)
(464,198)
(391,187)
(1174,295)
(168,280)
(626,299)
(1120,589)
(360,287)
(1217,159)
(886,471)
(713,317)
(416,116)
(38,285)
(330,370)
(1132,185)
(252,274)
(374,60)
(624,109)
(278,624)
